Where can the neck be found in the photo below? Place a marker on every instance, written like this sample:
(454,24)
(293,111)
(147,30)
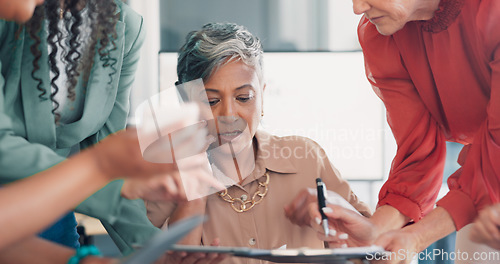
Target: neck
(243,162)
(425,9)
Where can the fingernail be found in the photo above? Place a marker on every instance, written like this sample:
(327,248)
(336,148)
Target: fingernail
(327,210)
(333,232)
(344,246)
(343,236)
(203,123)
(318,221)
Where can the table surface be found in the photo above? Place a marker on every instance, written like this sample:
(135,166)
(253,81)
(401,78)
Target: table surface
(92,225)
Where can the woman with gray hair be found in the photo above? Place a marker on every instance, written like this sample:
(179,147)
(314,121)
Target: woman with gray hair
(258,208)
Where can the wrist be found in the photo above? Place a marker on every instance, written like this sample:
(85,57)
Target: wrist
(387,218)
(420,242)
(375,231)
(82,254)
(101,160)
(434,226)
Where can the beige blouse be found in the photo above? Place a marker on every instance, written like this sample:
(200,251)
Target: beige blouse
(293,164)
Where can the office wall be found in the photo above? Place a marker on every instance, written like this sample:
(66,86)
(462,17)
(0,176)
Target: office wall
(282,25)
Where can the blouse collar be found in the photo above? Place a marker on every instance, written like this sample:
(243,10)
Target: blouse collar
(267,159)
(446,14)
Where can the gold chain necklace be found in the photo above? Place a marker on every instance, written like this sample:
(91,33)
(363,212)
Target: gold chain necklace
(245,205)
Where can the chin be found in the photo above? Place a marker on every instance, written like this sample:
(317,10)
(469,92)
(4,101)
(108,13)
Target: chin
(238,146)
(387,31)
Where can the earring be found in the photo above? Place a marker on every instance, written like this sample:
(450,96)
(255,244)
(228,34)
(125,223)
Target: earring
(262,114)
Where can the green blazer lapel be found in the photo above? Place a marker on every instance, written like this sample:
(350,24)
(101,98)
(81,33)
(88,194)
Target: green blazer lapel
(40,123)
(99,96)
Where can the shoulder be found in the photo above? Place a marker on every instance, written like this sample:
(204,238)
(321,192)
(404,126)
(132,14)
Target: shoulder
(7,29)
(128,15)
(295,145)
(300,141)
(488,23)
(134,24)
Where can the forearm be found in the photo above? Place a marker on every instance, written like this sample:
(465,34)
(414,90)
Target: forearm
(40,251)
(434,226)
(28,206)
(35,250)
(387,218)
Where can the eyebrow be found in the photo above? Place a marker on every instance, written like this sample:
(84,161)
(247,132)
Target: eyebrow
(238,88)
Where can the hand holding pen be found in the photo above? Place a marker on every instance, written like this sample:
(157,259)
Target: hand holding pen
(323,209)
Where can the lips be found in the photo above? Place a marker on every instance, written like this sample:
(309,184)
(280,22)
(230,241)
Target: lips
(375,19)
(229,136)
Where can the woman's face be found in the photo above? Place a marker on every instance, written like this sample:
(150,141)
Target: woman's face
(234,93)
(18,10)
(389,16)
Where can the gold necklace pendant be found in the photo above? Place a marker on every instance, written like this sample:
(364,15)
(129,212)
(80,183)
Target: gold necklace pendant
(242,204)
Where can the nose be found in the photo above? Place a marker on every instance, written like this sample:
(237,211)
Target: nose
(227,112)
(360,6)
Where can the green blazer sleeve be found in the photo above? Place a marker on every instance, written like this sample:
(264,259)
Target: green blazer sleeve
(125,220)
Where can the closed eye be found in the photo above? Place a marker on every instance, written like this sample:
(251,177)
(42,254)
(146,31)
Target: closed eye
(213,102)
(244,99)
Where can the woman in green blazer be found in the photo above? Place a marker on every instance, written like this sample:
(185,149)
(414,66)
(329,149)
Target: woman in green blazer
(38,129)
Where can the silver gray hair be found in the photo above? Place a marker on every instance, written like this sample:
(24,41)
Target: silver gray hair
(215,45)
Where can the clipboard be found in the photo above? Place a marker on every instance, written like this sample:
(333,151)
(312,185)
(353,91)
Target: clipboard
(162,242)
(301,255)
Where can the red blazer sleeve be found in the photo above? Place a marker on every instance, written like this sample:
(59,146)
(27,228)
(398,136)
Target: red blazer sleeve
(416,172)
(477,183)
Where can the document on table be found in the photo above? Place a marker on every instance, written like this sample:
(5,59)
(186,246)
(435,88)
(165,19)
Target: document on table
(301,255)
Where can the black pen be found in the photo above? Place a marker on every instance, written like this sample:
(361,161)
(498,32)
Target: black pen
(321,187)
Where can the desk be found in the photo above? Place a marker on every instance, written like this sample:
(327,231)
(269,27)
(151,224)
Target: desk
(92,225)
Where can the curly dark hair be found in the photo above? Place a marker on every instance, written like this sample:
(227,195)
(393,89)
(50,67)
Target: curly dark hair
(103,33)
